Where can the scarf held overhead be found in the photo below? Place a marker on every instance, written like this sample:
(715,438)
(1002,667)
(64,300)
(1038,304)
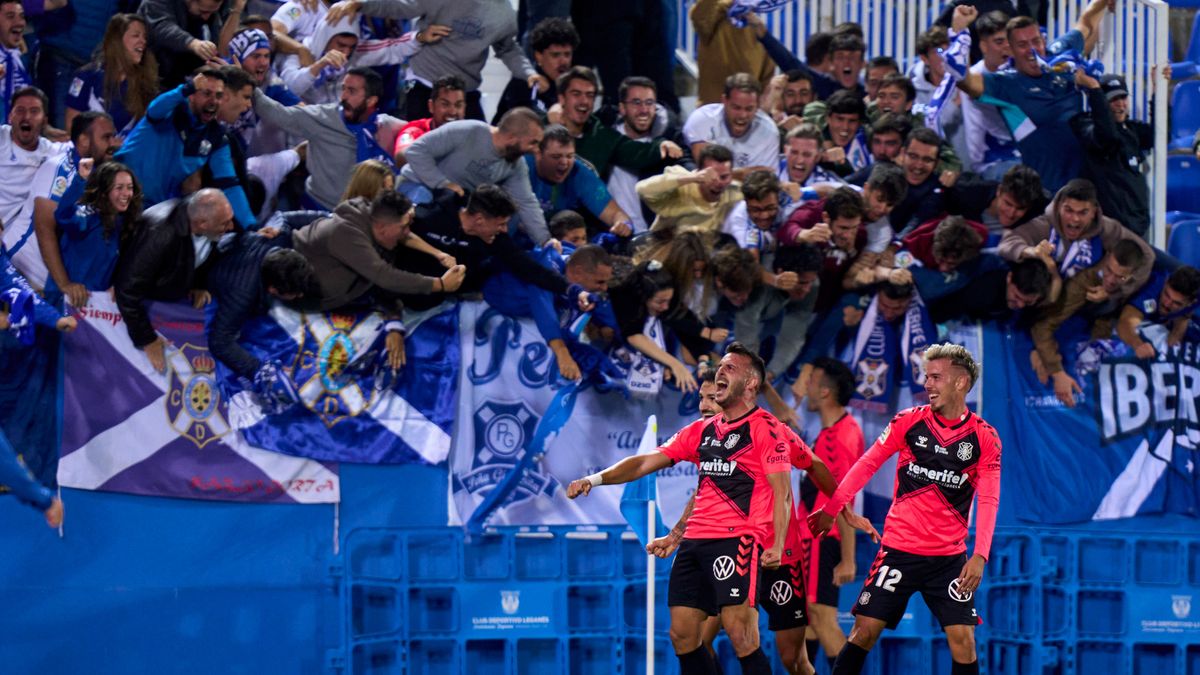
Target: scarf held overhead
(879,350)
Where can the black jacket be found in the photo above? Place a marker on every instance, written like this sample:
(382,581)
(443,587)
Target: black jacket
(437,223)
(236,286)
(159,265)
(984,6)
(518,94)
(630,310)
(1115,153)
(171,29)
(972,194)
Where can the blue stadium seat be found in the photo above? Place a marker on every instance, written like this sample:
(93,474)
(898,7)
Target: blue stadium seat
(1184,242)
(1182,70)
(1180,216)
(1183,178)
(1193,49)
(1185,113)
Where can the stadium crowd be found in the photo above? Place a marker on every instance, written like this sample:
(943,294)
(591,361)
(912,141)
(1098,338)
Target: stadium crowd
(830,203)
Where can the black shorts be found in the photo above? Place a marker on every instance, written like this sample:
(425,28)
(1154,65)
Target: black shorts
(782,594)
(828,557)
(709,574)
(896,575)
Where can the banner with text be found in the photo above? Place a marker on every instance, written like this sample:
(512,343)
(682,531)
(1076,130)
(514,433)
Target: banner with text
(1128,447)
(508,381)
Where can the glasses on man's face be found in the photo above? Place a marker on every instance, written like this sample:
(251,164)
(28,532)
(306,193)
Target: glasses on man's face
(641,103)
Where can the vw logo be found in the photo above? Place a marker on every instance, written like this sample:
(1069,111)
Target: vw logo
(723,568)
(957,595)
(781,592)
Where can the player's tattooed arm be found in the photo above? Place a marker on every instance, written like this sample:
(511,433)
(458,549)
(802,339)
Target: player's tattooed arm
(665,545)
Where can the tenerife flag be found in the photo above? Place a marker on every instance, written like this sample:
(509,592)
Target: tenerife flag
(352,407)
(635,501)
(128,428)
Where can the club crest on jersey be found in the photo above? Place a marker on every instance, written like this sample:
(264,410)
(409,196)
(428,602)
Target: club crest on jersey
(965,451)
(732,441)
(1149,305)
(957,595)
(864,598)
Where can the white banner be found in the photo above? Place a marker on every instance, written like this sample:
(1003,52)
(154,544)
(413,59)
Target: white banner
(507,382)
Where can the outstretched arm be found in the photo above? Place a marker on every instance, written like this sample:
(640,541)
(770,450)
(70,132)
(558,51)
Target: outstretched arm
(1089,22)
(624,471)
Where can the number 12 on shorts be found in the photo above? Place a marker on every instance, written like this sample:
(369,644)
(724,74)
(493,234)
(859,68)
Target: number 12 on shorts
(887,578)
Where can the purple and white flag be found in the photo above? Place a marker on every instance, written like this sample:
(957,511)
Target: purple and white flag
(128,428)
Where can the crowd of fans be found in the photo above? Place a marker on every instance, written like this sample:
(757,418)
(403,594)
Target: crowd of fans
(336,155)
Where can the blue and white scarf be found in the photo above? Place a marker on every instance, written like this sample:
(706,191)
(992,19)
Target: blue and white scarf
(878,350)
(367,146)
(958,62)
(1075,256)
(739,9)
(858,151)
(643,375)
(15,77)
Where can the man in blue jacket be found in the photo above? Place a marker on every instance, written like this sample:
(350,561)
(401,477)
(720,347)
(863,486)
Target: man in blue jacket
(179,135)
(253,272)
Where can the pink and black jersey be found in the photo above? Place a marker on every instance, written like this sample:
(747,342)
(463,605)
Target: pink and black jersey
(734,457)
(801,457)
(942,464)
(839,445)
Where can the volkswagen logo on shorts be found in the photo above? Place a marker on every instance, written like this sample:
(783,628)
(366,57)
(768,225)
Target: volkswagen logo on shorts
(781,592)
(864,598)
(723,568)
(957,595)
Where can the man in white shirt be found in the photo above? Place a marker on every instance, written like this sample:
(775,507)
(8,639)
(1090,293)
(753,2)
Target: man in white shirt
(31,237)
(991,150)
(738,124)
(22,150)
(643,119)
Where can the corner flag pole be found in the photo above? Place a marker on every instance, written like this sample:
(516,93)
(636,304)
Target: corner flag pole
(651,514)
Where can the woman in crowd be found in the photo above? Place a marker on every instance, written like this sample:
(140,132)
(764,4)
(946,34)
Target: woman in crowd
(370,177)
(122,78)
(639,300)
(97,217)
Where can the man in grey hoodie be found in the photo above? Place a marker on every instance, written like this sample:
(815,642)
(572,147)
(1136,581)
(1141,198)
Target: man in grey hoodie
(465,154)
(339,135)
(475,26)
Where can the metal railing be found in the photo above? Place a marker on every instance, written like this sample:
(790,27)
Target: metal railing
(1132,41)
